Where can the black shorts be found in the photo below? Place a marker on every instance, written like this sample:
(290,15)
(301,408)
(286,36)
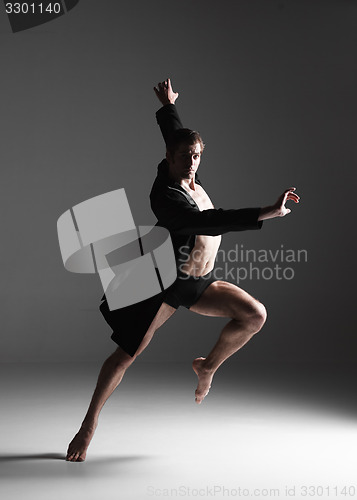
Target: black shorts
(131,323)
(186,290)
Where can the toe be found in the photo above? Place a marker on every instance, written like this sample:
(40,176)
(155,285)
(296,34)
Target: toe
(198,398)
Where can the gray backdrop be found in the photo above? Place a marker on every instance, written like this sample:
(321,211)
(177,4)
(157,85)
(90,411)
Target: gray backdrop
(271,86)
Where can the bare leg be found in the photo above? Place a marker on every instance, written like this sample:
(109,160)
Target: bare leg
(248,316)
(109,378)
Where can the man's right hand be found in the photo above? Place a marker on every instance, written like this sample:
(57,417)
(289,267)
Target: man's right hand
(164,92)
(279,209)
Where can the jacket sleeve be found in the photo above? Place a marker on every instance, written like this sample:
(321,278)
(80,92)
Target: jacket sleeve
(168,119)
(179,217)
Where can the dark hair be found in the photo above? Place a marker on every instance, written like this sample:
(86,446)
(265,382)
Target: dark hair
(183,136)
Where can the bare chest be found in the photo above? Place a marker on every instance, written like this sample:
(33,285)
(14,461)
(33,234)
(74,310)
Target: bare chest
(201,198)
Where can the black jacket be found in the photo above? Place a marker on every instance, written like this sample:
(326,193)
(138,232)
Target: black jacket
(179,213)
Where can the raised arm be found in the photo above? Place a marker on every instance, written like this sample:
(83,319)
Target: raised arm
(167,116)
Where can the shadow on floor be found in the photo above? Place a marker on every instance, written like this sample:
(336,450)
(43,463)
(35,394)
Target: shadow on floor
(40,456)
(16,466)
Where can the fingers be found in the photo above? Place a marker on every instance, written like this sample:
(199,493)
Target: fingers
(165,85)
(296,199)
(290,195)
(169,88)
(164,92)
(161,89)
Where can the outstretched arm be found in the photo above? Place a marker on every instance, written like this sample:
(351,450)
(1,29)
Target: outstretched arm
(279,209)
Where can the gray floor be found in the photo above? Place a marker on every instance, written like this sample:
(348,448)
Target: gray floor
(261,430)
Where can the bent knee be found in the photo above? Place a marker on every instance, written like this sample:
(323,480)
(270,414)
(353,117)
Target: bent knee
(260,315)
(121,359)
(254,316)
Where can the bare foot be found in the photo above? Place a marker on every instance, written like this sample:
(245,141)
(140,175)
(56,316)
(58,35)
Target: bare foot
(204,379)
(77,448)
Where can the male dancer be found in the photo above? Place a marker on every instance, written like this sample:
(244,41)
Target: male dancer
(182,205)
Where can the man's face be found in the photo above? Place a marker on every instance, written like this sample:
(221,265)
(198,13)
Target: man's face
(184,163)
